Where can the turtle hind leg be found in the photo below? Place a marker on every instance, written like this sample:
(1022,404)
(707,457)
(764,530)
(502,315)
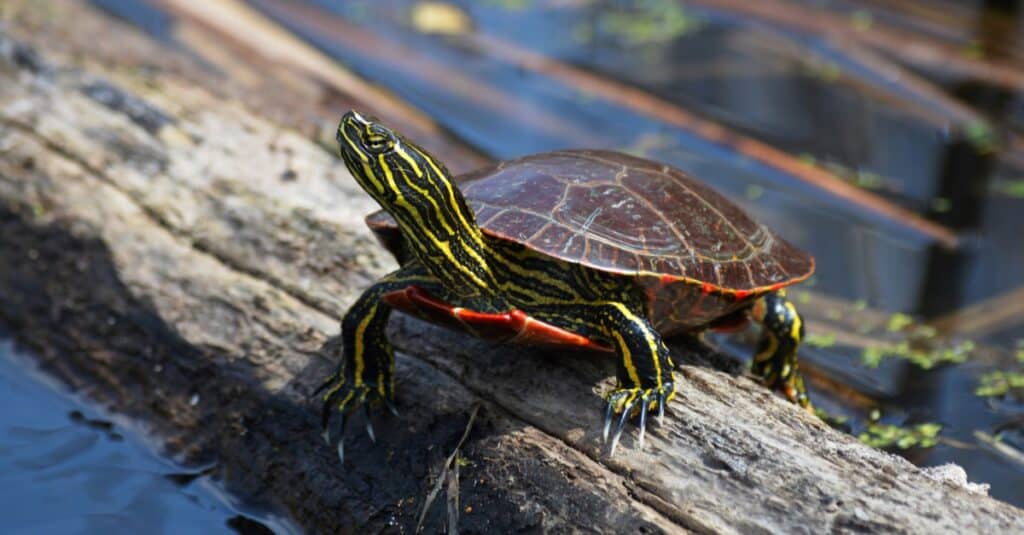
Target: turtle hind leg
(775,362)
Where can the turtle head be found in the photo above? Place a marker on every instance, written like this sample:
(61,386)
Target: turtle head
(364,144)
(419,193)
(400,175)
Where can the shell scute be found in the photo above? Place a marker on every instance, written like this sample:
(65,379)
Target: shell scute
(522,225)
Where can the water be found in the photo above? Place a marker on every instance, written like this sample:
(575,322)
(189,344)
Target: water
(928,137)
(65,468)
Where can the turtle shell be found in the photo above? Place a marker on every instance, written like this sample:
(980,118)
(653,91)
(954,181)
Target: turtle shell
(698,256)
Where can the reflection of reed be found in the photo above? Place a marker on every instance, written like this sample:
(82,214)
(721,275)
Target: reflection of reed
(210,28)
(985,317)
(428,71)
(918,50)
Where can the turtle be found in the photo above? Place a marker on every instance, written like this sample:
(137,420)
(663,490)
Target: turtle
(592,249)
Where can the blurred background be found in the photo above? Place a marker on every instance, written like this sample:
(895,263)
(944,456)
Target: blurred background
(886,137)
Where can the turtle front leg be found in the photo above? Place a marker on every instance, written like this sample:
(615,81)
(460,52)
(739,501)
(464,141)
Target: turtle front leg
(645,370)
(365,376)
(775,363)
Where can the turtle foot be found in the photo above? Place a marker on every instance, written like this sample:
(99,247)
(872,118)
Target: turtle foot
(626,402)
(792,387)
(343,396)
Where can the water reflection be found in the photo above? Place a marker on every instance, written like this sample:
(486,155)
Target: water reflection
(62,471)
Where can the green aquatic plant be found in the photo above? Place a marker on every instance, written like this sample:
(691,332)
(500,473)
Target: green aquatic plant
(754,192)
(921,355)
(1010,188)
(646,22)
(886,436)
(1000,383)
(899,321)
(828,71)
(889,436)
(820,340)
(941,205)
(981,136)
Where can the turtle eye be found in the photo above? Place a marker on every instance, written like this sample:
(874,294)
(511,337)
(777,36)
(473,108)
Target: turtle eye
(378,141)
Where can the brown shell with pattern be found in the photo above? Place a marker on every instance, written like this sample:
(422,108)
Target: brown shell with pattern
(696,254)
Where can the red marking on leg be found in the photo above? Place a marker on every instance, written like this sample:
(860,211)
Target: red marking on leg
(533,331)
(513,326)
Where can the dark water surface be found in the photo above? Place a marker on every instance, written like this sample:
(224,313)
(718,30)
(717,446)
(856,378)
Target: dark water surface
(66,469)
(925,137)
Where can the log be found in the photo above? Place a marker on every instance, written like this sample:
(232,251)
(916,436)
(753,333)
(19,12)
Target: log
(180,258)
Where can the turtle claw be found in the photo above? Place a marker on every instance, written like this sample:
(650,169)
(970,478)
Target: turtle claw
(622,425)
(662,400)
(627,401)
(391,407)
(369,424)
(608,413)
(645,405)
(341,396)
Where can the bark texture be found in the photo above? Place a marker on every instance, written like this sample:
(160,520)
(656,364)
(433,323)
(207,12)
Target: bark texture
(172,253)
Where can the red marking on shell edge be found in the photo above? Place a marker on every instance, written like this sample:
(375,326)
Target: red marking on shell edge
(740,295)
(514,326)
(706,288)
(667,279)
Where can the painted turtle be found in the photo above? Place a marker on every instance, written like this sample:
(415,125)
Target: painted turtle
(593,249)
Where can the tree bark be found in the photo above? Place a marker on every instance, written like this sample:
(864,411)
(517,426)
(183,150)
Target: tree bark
(176,255)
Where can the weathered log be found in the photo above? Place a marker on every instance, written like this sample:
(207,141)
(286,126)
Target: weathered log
(176,256)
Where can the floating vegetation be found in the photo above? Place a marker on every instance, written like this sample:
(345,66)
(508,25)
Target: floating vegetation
(861,178)
(820,340)
(1001,383)
(827,70)
(1010,188)
(889,436)
(918,354)
(885,436)
(981,135)
(941,205)
(754,192)
(647,22)
(830,419)
(898,322)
